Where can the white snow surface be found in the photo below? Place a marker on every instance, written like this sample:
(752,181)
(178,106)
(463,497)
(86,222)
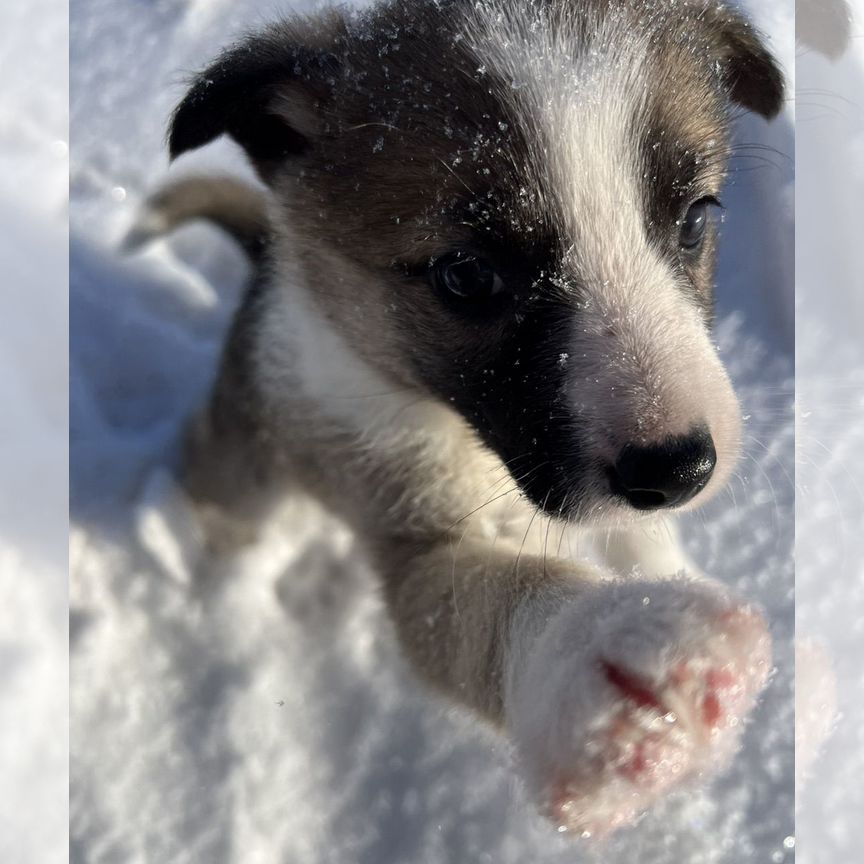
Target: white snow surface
(33,430)
(830,439)
(264,714)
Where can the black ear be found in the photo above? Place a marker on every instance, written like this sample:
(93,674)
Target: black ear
(246,92)
(750,73)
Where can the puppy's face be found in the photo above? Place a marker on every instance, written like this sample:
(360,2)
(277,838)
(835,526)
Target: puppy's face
(512,207)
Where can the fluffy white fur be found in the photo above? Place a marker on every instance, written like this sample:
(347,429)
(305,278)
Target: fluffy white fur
(692,662)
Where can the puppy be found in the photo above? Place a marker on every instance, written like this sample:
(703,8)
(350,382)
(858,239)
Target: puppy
(481,318)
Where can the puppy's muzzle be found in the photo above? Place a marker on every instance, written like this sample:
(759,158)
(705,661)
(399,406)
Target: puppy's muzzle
(664,475)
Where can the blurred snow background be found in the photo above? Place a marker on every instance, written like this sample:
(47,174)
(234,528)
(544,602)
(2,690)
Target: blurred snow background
(33,429)
(265,715)
(830,433)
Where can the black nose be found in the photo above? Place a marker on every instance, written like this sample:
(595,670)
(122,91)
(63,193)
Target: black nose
(665,475)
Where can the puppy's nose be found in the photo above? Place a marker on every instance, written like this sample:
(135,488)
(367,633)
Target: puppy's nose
(665,475)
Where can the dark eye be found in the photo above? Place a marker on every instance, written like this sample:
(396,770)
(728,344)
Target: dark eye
(692,226)
(466,277)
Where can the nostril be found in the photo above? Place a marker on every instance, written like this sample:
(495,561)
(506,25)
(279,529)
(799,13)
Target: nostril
(664,475)
(647,499)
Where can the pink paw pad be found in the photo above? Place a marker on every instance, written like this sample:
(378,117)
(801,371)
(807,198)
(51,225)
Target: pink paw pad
(660,733)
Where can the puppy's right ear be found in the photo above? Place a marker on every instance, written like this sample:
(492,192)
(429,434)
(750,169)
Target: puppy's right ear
(750,73)
(264,93)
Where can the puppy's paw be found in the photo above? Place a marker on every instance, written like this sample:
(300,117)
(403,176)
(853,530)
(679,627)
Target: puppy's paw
(629,690)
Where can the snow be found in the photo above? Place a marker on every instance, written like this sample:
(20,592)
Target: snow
(264,714)
(33,456)
(830,437)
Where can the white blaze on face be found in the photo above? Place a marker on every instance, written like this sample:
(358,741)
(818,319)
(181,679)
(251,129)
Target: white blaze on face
(642,367)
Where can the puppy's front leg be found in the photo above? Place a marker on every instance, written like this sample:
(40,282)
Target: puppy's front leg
(613,691)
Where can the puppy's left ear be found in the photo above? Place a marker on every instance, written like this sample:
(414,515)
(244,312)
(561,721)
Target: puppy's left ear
(750,73)
(266,93)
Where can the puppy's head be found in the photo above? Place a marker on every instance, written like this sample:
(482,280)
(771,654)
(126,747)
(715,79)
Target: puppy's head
(510,206)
